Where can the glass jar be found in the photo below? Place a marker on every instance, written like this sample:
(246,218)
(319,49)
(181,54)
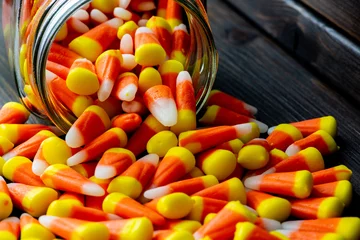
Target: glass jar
(30,27)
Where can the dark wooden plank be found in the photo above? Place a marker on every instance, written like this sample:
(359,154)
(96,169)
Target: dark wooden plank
(255,69)
(320,46)
(345,13)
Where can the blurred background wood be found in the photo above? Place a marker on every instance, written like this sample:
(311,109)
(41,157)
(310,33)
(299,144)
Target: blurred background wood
(258,68)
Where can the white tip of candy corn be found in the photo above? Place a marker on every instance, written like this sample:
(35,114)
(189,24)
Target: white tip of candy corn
(183,77)
(253,182)
(76,159)
(8,155)
(271,224)
(105,90)
(142,22)
(157,192)
(244,128)
(292,225)
(46,221)
(38,167)
(130,107)
(146,6)
(151,158)
(271,129)
(82,15)
(98,16)
(165,111)
(292,150)
(128,93)
(253,110)
(181,27)
(105,172)
(74,138)
(113,216)
(262,126)
(129,62)
(124,3)
(269,171)
(11,219)
(252,210)
(122,13)
(92,189)
(286,233)
(115,23)
(143,30)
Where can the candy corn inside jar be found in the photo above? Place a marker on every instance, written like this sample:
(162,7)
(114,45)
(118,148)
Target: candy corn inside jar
(134,57)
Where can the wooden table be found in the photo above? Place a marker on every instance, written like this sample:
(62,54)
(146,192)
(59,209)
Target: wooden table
(253,67)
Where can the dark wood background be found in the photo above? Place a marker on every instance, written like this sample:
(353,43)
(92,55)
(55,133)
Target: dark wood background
(290,75)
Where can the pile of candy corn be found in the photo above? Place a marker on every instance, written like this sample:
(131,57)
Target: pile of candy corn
(136,165)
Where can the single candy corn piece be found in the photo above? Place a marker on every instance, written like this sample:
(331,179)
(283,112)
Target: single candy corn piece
(180,44)
(70,228)
(182,225)
(172,234)
(176,163)
(128,122)
(111,105)
(73,198)
(269,206)
(161,143)
(62,55)
(10,228)
(347,227)
(204,206)
(172,206)
(32,229)
(253,157)
(136,177)
(133,228)
(66,209)
(162,30)
(267,224)
(161,8)
(340,189)
(173,13)
(186,104)
(126,15)
(160,102)
(169,71)
(74,102)
(297,235)
(320,140)
(135,106)
(98,39)
(199,140)
(62,177)
(108,67)
(126,207)
(307,127)
(6,204)
(51,151)
(147,44)
(340,172)
(283,136)
(223,225)
(293,184)
(18,169)
(85,169)
(317,208)
(82,78)
(227,101)
(83,132)
(29,147)
(127,44)
(128,27)
(58,69)
(5,145)
(31,199)
(232,145)
(249,231)
(217,162)
(148,78)
(195,172)
(229,190)
(114,162)
(114,137)
(126,87)
(138,141)
(188,186)
(308,159)
(14,112)
(19,133)
(96,202)
(218,116)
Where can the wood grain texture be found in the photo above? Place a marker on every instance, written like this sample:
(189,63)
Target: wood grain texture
(345,14)
(320,46)
(254,69)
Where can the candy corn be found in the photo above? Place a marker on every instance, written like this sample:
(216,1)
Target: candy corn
(162,30)
(13,112)
(182,225)
(5,145)
(249,231)
(172,234)
(31,228)
(93,201)
(283,136)
(126,87)
(85,169)
(340,189)
(6,204)
(333,174)
(10,228)
(169,71)
(148,78)
(289,234)
(73,198)
(253,157)
(128,122)
(173,13)
(62,55)
(161,143)
(111,105)
(203,206)
(180,44)
(307,127)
